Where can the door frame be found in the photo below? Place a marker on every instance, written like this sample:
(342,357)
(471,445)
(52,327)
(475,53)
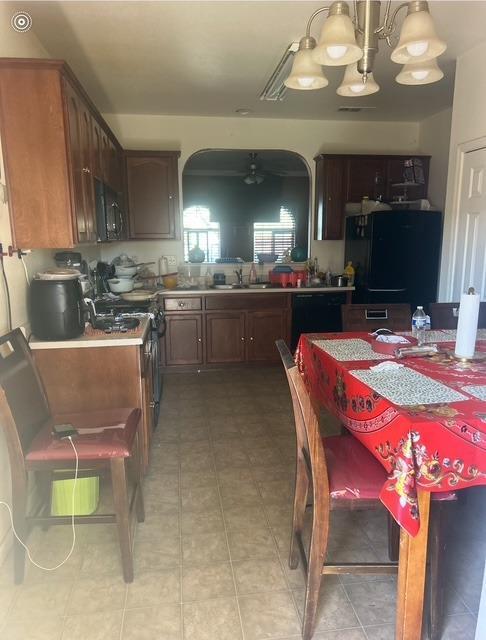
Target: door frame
(449,248)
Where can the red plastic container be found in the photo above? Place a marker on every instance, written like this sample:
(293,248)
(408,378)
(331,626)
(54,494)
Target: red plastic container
(286,279)
(390,348)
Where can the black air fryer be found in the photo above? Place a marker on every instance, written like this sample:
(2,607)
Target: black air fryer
(56,309)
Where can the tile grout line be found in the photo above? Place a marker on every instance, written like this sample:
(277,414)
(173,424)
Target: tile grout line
(226,532)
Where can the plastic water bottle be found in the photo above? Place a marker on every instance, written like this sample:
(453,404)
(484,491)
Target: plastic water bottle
(419,322)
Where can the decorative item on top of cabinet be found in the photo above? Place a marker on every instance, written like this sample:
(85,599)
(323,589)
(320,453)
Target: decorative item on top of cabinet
(51,145)
(153,194)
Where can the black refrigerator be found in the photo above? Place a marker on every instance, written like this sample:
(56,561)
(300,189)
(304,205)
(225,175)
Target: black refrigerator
(396,255)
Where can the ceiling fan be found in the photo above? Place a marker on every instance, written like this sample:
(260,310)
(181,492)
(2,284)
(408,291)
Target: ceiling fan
(253,177)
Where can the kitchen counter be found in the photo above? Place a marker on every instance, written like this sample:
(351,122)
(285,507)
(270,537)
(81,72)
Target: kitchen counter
(97,338)
(205,292)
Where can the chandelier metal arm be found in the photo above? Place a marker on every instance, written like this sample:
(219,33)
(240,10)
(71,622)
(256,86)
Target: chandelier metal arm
(381,28)
(311,19)
(390,26)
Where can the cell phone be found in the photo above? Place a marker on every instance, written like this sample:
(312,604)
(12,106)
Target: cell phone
(64,430)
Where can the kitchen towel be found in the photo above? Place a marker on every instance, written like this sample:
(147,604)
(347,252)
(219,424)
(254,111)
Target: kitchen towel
(467,325)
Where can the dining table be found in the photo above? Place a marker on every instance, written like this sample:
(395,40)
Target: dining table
(423,418)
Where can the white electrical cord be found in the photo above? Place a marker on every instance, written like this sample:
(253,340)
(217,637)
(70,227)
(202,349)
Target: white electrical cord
(72,520)
(25,269)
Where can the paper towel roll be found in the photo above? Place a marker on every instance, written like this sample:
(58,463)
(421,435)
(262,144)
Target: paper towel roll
(467,325)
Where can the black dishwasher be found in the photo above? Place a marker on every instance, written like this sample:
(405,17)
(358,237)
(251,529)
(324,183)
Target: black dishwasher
(316,313)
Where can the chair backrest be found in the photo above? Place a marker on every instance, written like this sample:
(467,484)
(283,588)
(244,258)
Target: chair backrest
(310,447)
(443,315)
(369,317)
(24,407)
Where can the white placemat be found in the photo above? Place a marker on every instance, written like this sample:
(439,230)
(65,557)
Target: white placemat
(478,391)
(350,349)
(405,386)
(445,335)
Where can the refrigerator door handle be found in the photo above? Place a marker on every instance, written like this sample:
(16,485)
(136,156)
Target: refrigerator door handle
(387,290)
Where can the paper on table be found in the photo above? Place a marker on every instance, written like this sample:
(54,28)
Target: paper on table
(467,325)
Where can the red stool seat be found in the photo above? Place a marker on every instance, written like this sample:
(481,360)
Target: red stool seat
(354,474)
(110,434)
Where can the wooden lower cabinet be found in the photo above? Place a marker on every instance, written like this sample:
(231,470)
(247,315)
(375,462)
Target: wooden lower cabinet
(183,339)
(264,328)
(226,329)
(225,337)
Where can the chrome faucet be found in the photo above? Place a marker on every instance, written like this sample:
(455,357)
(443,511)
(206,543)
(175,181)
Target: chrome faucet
(239,276)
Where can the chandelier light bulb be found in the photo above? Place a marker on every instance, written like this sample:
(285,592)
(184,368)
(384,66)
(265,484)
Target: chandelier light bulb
(420,73)
(305,74)
(353,85)
(419,41)
(337,51)
(416,49)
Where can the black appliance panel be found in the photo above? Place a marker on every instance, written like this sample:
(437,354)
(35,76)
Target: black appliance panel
(109,219)
(316,313)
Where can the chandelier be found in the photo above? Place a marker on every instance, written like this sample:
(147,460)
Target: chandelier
(354,43)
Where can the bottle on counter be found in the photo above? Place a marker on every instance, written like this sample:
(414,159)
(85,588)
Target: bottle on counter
(419,322)
(349,273)
(328,277)
(253,273)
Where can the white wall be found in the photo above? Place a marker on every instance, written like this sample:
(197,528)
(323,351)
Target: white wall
(306,137)
(434,140)
(24,45)
(468,124)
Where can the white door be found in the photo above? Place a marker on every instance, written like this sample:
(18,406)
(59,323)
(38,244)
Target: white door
(470,237)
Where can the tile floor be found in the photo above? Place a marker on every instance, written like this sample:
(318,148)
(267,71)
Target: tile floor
(211,557)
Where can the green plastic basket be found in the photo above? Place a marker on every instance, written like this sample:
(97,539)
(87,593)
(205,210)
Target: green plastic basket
(86,496)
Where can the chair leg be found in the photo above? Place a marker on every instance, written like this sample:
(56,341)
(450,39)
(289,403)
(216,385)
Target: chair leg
(393,538)
(19,510)
(300,499)
(437,550)
(140,507)
(317,555)
(122,510)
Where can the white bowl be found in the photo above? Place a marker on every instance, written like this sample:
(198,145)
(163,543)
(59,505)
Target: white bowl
(125,271)
(120,285)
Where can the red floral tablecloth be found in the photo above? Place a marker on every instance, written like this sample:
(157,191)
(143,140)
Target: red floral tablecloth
(439,447)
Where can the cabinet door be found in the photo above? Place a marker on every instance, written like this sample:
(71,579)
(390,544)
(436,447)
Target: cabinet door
(365,177)
(264,328)
(87,155)
(97,150)
(73,105)
(152,186)
(183,339)
(329,203)
(113,165)
(225,337)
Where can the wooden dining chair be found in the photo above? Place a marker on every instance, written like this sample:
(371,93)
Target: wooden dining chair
(369,317)
(444,315)
(336,472)
(109,444)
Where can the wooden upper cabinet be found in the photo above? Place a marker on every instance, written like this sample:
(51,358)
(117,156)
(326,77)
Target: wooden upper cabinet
(366,176)
(153,194)
(329,197)
(52,142)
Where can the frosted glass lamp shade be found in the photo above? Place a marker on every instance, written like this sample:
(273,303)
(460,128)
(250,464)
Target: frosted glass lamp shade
(420,73)
(353,86)
(418,40)
(337,43)
(305,74)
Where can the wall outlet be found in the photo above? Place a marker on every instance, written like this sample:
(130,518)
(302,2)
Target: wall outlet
(172,262)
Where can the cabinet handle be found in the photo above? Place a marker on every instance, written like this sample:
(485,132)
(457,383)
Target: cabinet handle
(171,197)
(242,339)
(199,339)
(86,170)
(181,304)
(152,404)
(251,339)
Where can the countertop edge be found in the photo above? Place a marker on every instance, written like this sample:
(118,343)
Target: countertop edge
(77,343)
(291,290)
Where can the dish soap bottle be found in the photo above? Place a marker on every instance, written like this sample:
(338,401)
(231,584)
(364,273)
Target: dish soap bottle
(253,273)
(349,273)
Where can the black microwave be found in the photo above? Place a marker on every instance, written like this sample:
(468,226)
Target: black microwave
(109,217)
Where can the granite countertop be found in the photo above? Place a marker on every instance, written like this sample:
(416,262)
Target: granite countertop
(205,292)
(97,338)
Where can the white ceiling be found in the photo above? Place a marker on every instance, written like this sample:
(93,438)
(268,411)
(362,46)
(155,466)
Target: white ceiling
(212,57)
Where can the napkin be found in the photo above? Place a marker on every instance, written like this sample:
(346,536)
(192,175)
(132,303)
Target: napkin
(392,339)
(388,365)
